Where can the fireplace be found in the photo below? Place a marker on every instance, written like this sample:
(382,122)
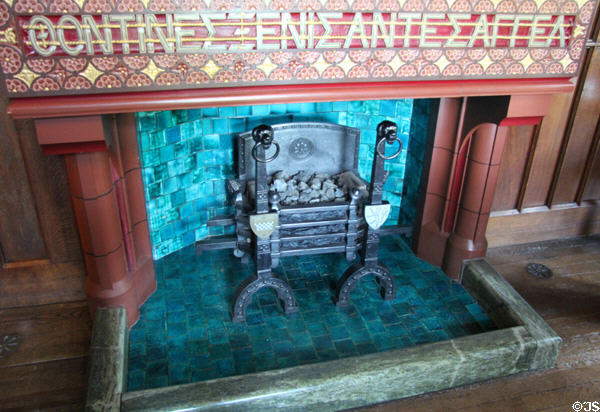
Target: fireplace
(436,199)
(474,71)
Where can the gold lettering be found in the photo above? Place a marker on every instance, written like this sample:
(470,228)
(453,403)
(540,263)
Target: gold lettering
(410,19)
(558,28)
(190,32)
(426,29)
(141,32)
(311,30)
(241,32)
(180,32)
(378,26)
(122,19)
(91,31)
(261,30)
(46,48)
(299,37)
(496,26)
(152,27)
(536,31)
(357,26)
(515,29)
(207,20)
(480,31)
(324,42)
(71,23)
(452,40)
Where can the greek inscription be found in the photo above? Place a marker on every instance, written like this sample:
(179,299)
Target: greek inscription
(193,32)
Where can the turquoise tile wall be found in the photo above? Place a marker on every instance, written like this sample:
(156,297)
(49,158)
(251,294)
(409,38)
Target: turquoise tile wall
(187,155)
(420,129)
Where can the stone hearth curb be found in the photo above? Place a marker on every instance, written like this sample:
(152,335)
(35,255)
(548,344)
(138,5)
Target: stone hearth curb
(523,342)
(108,360)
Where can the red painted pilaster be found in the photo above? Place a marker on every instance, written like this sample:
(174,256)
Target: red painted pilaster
(461,178)
(108,201)
(468,238)
(430,240)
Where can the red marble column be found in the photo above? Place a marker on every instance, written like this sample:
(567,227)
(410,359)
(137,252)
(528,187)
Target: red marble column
(103,168)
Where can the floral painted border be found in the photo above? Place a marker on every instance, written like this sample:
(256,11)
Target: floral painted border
(38,76)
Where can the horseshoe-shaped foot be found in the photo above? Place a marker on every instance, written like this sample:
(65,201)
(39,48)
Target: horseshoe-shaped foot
(251,285)
(355,273)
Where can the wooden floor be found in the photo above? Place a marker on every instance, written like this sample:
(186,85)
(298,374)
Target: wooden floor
(570,303)
(43,348)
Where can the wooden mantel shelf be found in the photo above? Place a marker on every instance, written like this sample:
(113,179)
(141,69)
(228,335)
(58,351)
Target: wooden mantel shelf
(86,105)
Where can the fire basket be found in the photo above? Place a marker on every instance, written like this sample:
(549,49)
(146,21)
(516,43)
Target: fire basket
(298,192)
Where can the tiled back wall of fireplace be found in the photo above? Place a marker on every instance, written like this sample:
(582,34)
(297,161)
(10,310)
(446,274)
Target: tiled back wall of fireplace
(187,155)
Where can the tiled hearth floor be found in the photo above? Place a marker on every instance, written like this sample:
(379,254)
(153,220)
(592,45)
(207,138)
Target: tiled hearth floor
(185,333)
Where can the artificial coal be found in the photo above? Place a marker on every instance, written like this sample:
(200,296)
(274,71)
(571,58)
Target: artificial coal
(305,188)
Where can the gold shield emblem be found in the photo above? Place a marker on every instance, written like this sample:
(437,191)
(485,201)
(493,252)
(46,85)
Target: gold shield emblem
(375,215)
(264,224)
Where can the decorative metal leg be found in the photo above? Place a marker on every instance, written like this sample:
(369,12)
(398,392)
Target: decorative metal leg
(355,273)
(251,285)
(263,224)
(375,214)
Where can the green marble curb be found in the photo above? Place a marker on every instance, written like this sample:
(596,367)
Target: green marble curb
(524,342)
(506,308)
(108,360)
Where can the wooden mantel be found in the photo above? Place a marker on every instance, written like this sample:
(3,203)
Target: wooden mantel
(38,108)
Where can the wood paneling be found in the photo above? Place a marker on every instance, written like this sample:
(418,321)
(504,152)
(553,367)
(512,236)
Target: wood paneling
(512,167)
(546,151)
(46,368)
(20,234)
(42,268)
(40,333)
(592,183)
(543,224)
(580,135)
(42,260)
(42,284)
(562,170)
(52,199)
(59,106)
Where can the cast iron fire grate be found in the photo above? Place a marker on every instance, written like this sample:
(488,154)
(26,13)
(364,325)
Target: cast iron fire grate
(298,193)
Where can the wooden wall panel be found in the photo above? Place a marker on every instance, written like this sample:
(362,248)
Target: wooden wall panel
(546,151)
(20,235)
(538,224)
(42,284)
(41,270)
(560,183)
(591,190)
(580,136)
(512,167)
(50,189)
(41,333)
(41,260)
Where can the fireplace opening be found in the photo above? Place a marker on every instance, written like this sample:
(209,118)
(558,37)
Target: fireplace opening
(185,333)
(188,155)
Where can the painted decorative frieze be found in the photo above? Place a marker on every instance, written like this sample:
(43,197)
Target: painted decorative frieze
(58,47)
